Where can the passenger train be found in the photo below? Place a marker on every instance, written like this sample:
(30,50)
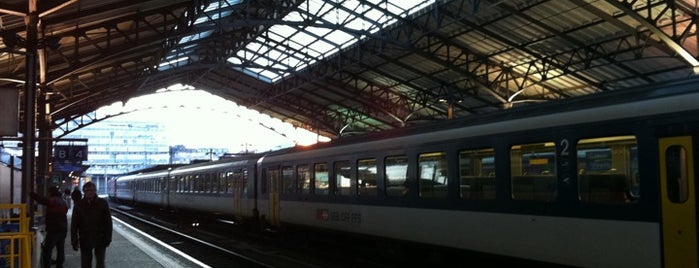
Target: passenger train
(606,180)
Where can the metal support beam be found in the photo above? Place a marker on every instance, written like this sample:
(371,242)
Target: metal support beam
(28,178)
(672,44)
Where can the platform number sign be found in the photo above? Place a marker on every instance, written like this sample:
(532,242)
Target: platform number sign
(70,153)
(565,160)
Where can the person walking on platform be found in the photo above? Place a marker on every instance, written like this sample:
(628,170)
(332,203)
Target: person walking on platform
(91,227)
(56,226)
(67,198)
(76,195)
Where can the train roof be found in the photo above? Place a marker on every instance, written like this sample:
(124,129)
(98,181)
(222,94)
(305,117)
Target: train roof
(664,98)
(658,99)
(222,162)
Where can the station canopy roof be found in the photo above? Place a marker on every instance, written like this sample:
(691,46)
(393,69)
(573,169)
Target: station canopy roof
(341,67)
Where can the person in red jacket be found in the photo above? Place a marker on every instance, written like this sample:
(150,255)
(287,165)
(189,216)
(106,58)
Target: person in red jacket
(91,227)
(56,226)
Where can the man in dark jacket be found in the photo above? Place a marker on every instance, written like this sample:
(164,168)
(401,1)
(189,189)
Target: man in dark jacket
(56,226)
(91,227)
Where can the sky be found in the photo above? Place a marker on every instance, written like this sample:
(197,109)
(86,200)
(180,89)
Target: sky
(198,119)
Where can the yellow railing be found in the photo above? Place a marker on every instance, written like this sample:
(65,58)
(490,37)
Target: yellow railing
(15,238)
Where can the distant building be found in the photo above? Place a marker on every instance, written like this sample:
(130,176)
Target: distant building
(118,147)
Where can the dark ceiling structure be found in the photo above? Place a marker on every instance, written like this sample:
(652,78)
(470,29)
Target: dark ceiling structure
(383,66)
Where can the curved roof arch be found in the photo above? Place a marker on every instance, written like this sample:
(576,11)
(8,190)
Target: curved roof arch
(340,67)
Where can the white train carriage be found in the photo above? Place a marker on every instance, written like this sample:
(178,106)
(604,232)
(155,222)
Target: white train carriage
(592,182)
(144,188)
(597,181)
(223,187)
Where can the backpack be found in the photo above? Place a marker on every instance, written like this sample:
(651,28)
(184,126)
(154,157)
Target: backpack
(57,205)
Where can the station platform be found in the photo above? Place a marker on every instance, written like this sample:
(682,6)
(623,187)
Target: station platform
(130,248)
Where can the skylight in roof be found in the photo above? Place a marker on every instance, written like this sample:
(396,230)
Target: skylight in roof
(216,10)
(295,44)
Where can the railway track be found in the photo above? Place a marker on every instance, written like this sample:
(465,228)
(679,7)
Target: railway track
(218,244)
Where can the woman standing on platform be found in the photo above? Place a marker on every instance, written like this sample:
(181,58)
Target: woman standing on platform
(91,227)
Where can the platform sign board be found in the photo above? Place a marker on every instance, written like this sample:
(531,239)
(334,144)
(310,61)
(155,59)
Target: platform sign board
(9,111)
(68,167)
(69,153)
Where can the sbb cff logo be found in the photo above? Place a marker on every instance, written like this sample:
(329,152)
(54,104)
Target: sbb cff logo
(71,153)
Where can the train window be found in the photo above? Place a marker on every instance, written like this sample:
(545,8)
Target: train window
(239,182)
(180,185)
(245,175)
(187,184)
(477,173)
(195,183)
(230,182)
(433,174)
(200,183)
(191,183)
(288,186)
(304,179)
(396,174)
(677,172)
(533,171)
(608,170)
(219,182)
(228,176)
(216,182)
(342,178)
(320,175)
(366,177)
(206,183)
(212,183)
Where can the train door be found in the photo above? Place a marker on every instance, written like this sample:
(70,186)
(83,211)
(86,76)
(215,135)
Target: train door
(273,181)
(164,184)
(678,195)
(238,189)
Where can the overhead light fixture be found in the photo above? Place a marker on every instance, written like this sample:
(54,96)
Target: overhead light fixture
(13,40)
(52,42)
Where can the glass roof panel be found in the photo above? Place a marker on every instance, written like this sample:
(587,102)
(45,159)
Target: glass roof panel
(293,44)
(321,45)
(339,38)
(214,11)
(335,25)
